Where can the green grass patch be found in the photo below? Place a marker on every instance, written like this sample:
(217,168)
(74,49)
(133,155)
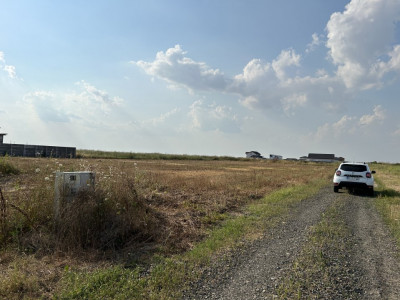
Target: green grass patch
(319,266)
(6,168)
(166,278)
(149,156)
(387,203)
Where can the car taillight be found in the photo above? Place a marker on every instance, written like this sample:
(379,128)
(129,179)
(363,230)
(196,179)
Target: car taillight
(338,173)
(368,175)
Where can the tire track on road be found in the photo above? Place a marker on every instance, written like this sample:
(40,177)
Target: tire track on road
(256,271)
(376,252)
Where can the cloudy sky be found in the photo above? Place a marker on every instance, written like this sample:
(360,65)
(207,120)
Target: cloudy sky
(204,77)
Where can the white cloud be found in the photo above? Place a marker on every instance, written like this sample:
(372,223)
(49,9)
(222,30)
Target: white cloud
(351,126)
(346,125)
(88,104)
(378,116)
(361,39)
(286,58)
(93,96)
(213,117)
(291,102)
(260,84)
(174,67)
(9,69)
(361,46)
(316,41)
(43,103)
(162,119)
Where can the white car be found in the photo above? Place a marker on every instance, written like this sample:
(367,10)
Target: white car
(354,176)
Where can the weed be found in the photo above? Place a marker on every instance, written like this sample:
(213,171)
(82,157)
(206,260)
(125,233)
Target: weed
(6,168)
(388,197)
(317,269)
(141,208)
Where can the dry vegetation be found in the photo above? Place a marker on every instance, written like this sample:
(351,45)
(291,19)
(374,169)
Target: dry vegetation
(388,200)
(139,208)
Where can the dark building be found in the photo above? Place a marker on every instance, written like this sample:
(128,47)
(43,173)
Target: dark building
(322,157)
(35,150)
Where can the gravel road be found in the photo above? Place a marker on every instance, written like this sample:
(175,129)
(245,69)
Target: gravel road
(377,254)
(255,271)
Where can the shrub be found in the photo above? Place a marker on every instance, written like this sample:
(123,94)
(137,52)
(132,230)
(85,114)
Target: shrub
(96,220)
(6,168)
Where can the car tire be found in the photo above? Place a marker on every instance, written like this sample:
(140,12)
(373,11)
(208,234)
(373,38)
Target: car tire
(335,189)
(371,192)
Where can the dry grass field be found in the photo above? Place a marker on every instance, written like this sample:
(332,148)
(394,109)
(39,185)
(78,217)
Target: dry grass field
(139,208)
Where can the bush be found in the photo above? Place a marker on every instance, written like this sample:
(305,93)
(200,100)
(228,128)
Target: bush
(6,168)
(93,220)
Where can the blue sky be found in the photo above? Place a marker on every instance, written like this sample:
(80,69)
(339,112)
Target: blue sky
(203,77)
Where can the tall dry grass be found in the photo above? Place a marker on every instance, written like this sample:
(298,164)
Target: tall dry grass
(138,208)
(166,204)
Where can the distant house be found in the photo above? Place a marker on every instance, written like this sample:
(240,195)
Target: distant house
(35,150)
(254,154)
(275,157)
(321,157)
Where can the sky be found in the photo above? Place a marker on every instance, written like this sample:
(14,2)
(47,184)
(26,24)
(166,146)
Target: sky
(203,77)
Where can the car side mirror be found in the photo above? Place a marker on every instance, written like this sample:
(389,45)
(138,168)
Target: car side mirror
(373,172)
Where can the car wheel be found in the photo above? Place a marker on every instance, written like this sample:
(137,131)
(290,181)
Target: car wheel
(335,189)
(371,192)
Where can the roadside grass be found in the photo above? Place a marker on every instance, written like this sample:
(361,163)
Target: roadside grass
(168,277)
(387,201)
(317,270)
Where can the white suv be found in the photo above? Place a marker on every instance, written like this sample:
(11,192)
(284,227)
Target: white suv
(354,176)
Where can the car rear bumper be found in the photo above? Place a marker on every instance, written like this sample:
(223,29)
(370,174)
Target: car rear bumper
(351,184)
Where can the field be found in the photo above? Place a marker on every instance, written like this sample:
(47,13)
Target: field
(140,209)
(143,220)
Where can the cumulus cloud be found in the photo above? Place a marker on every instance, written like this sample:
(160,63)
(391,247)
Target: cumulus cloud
(92,95)
(9,69)
(361,46)
(174,67)
(316,41)
(360,41)
(351,126)
(291,102)
(88,104)
(213,117)
(285,59)
(378,116)
(260,85)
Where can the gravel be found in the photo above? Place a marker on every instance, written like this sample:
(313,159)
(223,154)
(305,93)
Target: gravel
(256,270)
(376,252)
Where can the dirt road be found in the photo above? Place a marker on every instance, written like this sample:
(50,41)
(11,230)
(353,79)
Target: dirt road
(369,270)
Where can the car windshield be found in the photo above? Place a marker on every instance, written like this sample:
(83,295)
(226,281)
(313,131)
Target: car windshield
(354,168)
